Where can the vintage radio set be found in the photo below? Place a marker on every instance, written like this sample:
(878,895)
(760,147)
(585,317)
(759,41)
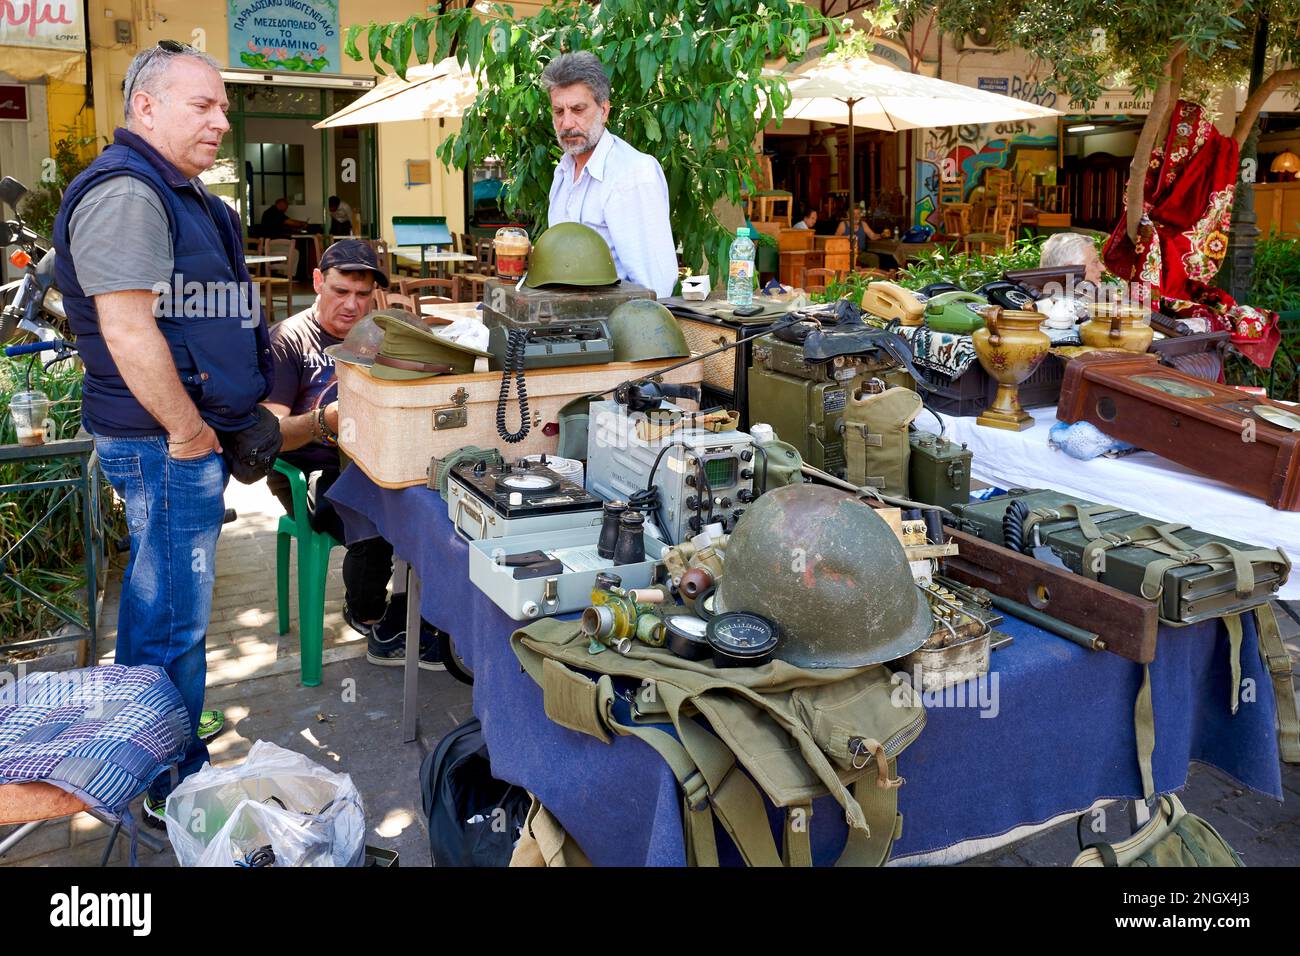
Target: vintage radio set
(1246,442)
(552,327)
(804,401)
(1188,592)
(702,476)
(486,500)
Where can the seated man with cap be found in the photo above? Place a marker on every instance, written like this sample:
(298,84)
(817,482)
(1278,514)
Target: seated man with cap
(304,381)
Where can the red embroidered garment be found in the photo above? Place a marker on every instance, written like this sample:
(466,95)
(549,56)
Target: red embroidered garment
(1183,235)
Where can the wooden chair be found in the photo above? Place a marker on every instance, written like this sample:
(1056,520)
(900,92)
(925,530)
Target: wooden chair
(810,283)
(950,193)
(383,253)
(269,285)
(957,223)
(764,198)
(484,253)
(395,300)
(468,286)
(427,291)
(1000,231)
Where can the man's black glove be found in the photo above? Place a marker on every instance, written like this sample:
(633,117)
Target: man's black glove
(250,452)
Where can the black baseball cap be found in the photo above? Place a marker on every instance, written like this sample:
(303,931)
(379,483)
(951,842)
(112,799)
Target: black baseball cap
(353,255)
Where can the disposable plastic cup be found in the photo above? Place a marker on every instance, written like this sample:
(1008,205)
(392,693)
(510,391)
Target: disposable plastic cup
(30,410)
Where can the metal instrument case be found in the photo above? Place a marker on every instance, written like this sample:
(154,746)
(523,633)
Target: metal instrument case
(556,594)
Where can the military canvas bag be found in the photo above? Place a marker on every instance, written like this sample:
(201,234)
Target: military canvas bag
(799,734)
(1172,837)
(877,448)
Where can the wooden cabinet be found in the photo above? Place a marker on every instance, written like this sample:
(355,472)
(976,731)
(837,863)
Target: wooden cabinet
(835,250)
(795,261)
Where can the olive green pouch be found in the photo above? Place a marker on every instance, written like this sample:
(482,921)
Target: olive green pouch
(877,448)
(1173,837)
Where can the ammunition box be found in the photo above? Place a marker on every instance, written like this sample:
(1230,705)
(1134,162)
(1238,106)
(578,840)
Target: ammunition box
(804,413)
(938,471)
(1190,592)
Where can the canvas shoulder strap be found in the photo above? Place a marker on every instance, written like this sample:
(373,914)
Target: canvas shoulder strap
(712,783)
(1275,657)
(1278,663)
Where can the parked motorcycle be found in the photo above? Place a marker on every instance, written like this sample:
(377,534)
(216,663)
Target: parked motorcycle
(31,301)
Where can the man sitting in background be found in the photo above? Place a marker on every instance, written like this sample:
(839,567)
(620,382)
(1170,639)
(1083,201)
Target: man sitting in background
(1067,307)
(304,373)
(809,220)
(277,223)
(340,217)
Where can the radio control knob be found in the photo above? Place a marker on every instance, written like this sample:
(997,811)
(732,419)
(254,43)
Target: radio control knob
(692,502)
(724,503)
(747,455)
(746,474)
(744,496)
(735,516)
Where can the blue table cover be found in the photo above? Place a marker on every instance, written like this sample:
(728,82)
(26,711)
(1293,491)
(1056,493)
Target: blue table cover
(1054,734)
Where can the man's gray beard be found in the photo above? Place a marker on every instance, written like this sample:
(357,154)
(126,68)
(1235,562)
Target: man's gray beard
(588,143)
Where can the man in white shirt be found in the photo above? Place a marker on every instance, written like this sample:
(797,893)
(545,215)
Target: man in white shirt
(604,183)
(809,220)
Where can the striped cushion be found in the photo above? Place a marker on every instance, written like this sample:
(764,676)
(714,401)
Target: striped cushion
(102,733)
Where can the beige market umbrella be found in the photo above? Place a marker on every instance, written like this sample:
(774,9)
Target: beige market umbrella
(869,94)
(429,91)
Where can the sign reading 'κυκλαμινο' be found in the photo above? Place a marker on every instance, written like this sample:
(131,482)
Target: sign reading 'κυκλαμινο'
(46,24)
(300,36)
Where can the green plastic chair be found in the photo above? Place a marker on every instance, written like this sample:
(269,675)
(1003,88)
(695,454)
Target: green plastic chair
(313,563)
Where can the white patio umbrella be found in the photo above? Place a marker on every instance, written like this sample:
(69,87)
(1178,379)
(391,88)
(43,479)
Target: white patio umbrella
(433,90)
(869,94)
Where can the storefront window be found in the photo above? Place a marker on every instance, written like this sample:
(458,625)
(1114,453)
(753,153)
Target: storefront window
(275,170)
(281,100)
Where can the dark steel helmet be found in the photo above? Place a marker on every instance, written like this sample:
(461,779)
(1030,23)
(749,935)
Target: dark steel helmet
(570,254)
(643,329)
(830,573)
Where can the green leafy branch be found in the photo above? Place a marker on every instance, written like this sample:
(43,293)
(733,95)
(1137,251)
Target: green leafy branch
(687,79)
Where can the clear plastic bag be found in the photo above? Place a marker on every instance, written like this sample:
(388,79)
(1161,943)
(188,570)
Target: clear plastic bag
(308,815)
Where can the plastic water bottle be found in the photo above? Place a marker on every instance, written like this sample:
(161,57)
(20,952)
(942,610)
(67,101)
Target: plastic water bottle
(740,276)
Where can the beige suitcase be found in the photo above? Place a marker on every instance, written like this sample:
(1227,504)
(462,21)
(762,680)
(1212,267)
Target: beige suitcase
(392,429)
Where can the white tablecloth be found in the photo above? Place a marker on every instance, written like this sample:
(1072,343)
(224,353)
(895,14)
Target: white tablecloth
(1141,482)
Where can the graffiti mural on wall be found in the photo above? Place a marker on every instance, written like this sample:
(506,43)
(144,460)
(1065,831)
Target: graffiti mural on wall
(962,153)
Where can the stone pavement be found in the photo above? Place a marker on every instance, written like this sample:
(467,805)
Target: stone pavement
(351,723)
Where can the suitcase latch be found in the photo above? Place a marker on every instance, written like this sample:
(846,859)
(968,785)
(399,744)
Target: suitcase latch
(450,416)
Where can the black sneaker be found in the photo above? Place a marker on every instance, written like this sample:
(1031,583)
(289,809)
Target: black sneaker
(385,643)
(430,647)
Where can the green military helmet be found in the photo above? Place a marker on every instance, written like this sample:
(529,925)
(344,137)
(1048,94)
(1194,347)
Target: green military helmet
(570,254)
(830,573)
(643,329)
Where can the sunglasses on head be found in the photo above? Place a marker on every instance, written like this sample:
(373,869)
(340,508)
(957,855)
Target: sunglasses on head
(173,46)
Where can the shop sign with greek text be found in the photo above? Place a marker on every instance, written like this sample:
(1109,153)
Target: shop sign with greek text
(301,36)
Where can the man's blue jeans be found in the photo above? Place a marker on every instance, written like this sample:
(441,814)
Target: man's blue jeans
(174,510)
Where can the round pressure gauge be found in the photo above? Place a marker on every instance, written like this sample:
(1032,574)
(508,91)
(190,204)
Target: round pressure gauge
(528,483)
(740,639)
